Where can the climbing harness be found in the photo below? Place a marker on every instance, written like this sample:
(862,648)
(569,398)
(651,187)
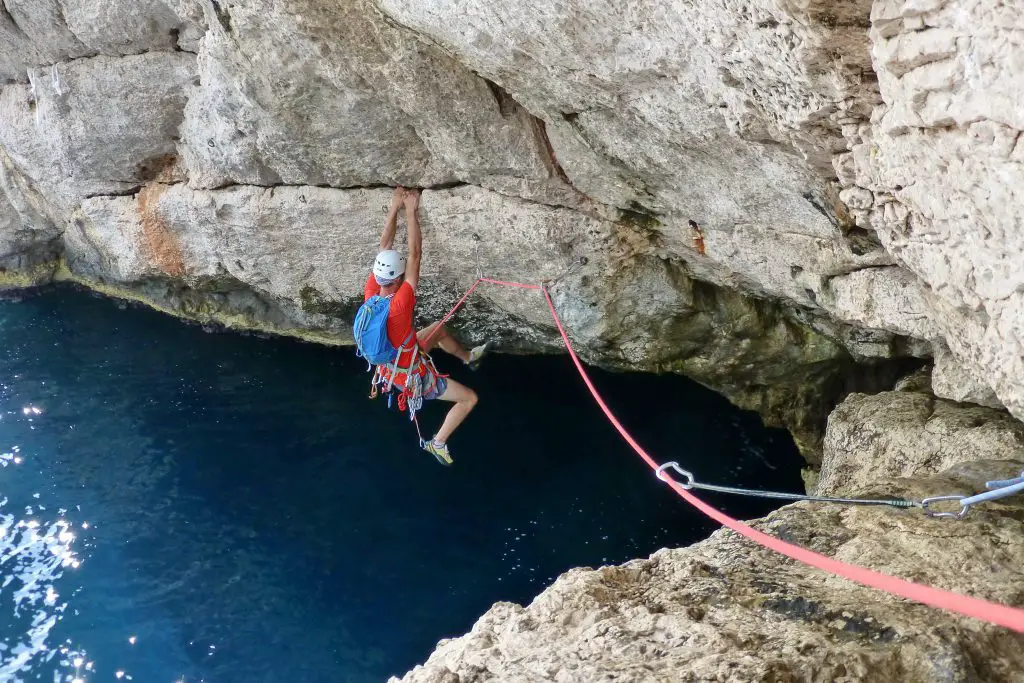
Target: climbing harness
(692,483)
(995,613)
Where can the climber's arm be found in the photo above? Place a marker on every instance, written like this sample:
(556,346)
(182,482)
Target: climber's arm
(387,238)
(412,268)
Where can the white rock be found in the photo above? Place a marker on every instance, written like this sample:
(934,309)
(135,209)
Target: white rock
(106,240)
(122,27)
(290,242)
(874,439)
(726,115)
(713,128)
(857,198)
(306,93)
(39,33)
(30,227)
(887,298)
(953,380)
(103,126)
(34,34)
(946,146)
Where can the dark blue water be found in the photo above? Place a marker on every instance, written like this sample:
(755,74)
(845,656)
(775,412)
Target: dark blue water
(185,506)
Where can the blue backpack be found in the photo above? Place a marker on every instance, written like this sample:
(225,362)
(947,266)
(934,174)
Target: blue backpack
(371,331)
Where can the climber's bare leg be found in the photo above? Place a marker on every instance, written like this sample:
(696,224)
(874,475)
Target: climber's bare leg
(464,399)
(437,335)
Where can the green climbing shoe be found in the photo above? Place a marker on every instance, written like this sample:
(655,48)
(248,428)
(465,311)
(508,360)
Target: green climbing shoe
(439,452)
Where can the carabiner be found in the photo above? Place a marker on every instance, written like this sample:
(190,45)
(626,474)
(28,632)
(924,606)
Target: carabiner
(925,503)
(688,484)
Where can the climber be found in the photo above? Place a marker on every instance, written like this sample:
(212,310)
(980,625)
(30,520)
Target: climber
(391,287)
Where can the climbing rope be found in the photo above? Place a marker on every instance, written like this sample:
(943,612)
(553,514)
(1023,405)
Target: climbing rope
(465,296)
(994,613)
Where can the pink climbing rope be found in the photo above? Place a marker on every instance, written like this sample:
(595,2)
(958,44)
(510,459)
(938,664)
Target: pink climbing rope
(509,284)
(994,613)
(447,317)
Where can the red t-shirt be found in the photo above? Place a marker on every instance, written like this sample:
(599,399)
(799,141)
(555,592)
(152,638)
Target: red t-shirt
(399,315)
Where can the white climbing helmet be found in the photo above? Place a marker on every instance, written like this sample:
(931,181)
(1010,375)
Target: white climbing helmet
(388,266)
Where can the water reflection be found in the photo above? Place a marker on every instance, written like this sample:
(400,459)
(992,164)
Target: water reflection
(35,553)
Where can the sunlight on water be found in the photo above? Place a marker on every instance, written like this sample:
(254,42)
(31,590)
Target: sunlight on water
(34,555)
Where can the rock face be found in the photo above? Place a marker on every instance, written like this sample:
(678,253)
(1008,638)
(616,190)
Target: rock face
(727,610)
(942,169)
(899,434)
(759,189)
(221,161)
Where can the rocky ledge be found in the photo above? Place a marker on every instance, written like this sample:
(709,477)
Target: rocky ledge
(726,609)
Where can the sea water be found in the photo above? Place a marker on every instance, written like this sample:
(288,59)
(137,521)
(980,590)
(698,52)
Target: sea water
(180,505)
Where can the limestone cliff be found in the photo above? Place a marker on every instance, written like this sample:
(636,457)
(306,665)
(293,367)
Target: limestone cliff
(757,188)
(786,200)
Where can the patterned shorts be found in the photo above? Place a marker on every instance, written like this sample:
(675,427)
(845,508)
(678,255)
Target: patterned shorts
(432,386)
